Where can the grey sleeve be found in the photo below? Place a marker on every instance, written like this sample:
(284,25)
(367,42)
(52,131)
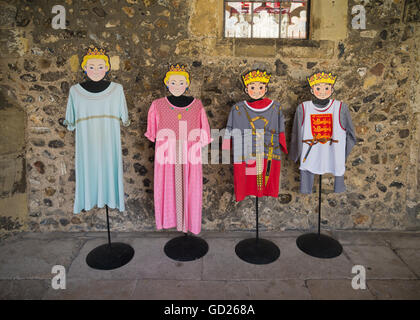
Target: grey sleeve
(296,141)
(229,124)
(345,120)
(281,121)
(281,131)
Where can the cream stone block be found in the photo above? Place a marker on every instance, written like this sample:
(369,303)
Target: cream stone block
(15,208)
(329,20)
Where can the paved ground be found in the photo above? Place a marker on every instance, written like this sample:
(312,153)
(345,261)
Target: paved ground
(391,260)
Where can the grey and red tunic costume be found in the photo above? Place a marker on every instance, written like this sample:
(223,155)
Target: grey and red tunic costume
(258,135)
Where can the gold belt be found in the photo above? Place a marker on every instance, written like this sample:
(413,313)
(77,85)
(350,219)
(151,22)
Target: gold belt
(275,156)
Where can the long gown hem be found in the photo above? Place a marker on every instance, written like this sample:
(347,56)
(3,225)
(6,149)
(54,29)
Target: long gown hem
(174,226)
(99,207)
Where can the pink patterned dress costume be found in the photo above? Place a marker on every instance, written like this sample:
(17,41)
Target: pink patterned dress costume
(179,133)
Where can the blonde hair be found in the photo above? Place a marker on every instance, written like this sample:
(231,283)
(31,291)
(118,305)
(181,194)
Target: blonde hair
(95,54)
(177,70)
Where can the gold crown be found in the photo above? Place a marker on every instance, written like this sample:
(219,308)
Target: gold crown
(95,52)
(256,76)
(321,77)
(177,68)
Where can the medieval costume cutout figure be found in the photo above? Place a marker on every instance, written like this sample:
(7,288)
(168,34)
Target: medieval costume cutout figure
(323,134)
(257,128)
(179,126)
(94,110)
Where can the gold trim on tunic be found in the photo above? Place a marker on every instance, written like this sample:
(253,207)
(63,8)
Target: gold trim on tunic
(96,117)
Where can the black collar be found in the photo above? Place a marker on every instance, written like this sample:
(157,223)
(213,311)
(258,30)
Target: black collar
(95,86)
(181,101)
(321,102)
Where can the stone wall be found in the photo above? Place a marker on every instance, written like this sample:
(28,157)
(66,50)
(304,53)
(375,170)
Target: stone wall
(13,185)
(378,72)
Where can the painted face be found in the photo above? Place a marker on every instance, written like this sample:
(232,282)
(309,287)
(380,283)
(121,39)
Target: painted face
(256,90)
(177,84)
(96,69)
(322,90)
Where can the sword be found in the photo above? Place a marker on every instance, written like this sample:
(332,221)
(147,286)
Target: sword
(267,172)
(269,158)
(314,141)
(309,150)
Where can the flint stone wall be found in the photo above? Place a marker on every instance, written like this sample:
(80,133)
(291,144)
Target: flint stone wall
(378,77)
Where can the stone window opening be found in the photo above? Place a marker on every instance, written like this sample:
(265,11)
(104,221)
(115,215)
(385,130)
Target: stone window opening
(276,19)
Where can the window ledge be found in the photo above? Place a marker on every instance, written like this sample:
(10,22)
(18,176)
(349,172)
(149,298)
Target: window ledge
(278,42)
(293,48)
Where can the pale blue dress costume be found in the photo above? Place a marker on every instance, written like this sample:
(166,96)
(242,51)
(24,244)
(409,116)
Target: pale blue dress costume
(99,171)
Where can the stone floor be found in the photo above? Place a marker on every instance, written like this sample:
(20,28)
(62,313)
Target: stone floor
(391,261)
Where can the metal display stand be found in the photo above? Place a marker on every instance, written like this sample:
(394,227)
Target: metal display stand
(256,250)
(317,244)
(110,255)
(186,248)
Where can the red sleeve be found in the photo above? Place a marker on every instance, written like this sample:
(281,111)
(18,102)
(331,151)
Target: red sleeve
(282,141)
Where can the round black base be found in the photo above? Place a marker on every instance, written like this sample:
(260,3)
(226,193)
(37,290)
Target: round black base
(320,246)
(108,257)
(257,251)
(186,248)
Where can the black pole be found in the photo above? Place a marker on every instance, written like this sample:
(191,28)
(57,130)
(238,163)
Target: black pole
(107,224)
(317,244)
(319,206)
(256,250)
(107,257)
(256,210)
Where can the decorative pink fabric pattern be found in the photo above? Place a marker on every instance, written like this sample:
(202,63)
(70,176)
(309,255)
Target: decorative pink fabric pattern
(187,127)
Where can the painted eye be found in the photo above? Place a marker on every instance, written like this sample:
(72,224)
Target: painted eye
(252,88)
(318,89)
